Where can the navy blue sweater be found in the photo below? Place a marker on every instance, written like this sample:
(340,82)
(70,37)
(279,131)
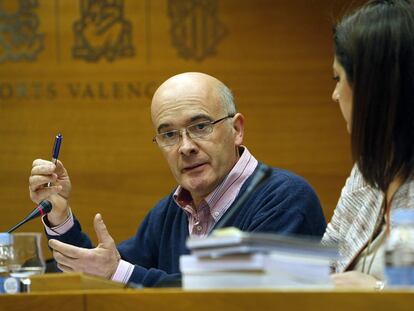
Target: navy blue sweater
(284,204)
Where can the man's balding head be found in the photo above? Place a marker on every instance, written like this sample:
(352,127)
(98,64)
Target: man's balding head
(198,112)
(178,86)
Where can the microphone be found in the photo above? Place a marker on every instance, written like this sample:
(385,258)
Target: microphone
(43,208)
(262,173)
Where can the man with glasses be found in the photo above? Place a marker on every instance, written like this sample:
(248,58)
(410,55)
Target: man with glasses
(200,134)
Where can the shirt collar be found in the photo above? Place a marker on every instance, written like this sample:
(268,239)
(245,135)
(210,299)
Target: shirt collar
(183,197)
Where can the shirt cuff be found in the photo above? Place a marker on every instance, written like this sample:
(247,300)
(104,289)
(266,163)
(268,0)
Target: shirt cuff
(123,272)
(59,229)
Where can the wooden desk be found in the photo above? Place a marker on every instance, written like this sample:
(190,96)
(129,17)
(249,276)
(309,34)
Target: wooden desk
(170,300)
(49,301)
(250,300)
(78,292)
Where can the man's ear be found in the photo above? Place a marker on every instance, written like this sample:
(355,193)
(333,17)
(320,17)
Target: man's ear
(238,127)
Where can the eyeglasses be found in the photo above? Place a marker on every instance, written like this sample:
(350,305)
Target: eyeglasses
(193,131)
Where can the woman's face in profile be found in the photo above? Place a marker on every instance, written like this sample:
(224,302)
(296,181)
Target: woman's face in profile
(342,93)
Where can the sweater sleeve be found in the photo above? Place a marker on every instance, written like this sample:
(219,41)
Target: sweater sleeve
(74,236)
(143,250)
(153,277)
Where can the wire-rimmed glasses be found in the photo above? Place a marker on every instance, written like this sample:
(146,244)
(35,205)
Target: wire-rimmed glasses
(194,131)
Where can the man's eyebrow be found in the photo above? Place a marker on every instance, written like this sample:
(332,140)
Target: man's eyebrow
(200,116)
(197,117)
(162,125)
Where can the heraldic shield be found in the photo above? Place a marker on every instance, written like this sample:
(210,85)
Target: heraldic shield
(195,27)
(19,37)
(102,31)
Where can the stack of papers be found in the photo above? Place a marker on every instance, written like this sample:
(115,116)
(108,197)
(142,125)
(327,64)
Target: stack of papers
(235,259)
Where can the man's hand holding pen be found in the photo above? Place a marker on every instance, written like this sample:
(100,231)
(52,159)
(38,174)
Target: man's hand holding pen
(45,172)
(101,260)
(49,180)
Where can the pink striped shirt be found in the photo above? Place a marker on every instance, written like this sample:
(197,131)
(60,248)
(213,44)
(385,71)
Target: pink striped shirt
(200,221)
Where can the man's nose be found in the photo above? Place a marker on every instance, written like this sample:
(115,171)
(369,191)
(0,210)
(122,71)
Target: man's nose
(186,143)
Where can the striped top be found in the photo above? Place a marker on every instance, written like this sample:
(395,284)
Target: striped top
(356,213)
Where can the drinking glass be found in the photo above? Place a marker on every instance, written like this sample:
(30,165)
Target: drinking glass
(27,258)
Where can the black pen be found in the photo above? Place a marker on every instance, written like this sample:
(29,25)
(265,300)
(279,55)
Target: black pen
(55,152)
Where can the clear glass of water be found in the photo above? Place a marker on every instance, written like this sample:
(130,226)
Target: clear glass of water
(27,259)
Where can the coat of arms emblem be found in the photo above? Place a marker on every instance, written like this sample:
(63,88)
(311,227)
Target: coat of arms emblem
(19,37)
(102,31)
(195,27)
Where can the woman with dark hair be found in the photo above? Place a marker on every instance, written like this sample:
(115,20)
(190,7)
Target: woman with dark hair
(374,73)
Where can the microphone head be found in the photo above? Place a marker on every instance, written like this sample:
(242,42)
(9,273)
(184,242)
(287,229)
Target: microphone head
(46,206)
(43,208)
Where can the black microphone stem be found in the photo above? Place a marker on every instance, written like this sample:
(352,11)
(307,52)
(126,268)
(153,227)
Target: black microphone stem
(262,173)
(17,226)
(43,208)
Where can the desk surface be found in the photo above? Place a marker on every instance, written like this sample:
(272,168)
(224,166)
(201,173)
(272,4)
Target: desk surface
(172,299)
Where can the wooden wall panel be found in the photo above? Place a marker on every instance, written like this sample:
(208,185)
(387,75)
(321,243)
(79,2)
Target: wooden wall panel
(276,56)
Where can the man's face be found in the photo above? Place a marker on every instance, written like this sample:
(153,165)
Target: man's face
(198,164)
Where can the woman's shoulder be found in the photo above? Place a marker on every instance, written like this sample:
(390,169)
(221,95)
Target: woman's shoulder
(355,181)
(404,197)
(357,195)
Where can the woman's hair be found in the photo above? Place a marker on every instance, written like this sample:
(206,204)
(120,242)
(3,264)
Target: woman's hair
(375,45)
